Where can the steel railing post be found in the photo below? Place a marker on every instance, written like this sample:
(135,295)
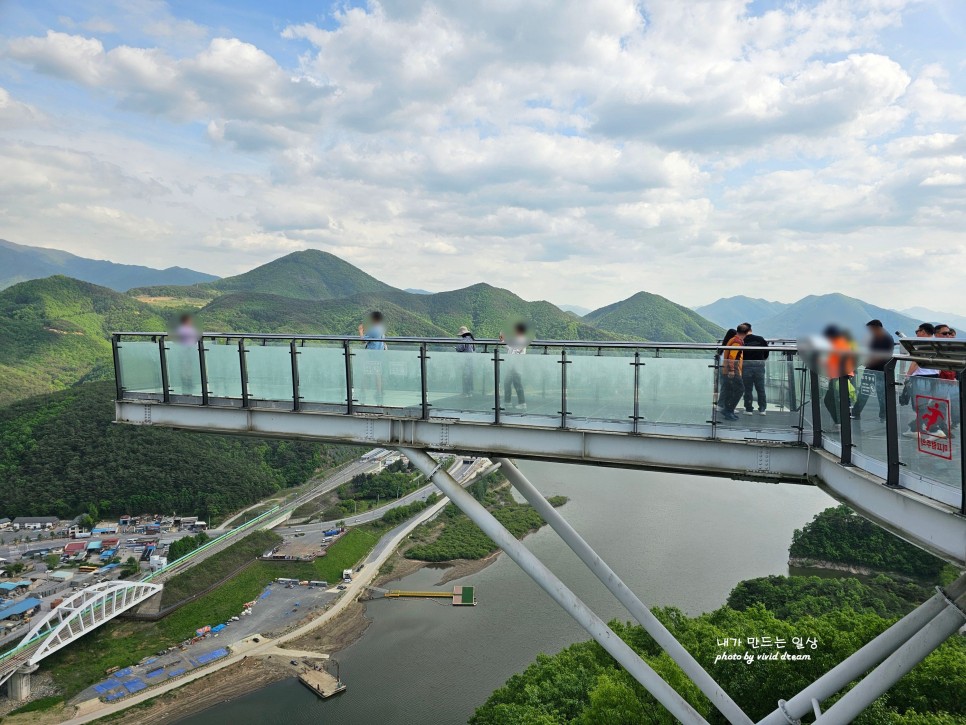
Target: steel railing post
(715,394)
(564,362)
(350,407)
(296,397)
(203,370)
(115,347)
(243,371)
(423,385)
(163,359)
(637,364)
(496,384)
(816,388)
(845,420)
(892,423)
(961,382)
(790,372)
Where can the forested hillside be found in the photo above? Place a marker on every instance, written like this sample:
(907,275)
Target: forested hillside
(839,535)
(54,332)
(583,684)
(62,455)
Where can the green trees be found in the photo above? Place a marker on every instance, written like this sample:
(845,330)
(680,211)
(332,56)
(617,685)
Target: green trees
(839,535)
(460,538)
(186,545)
(130,568)
(584,684)
(69,455)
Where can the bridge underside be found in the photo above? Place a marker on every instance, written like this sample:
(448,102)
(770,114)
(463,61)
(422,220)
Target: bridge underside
(770,456)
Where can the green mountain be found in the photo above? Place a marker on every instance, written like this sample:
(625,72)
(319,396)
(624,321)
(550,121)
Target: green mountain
(19,263)
(811,314)
(55,332)
(308,275)
(61,455)
(732,311)
(485,309)
(653,317)
(256,312)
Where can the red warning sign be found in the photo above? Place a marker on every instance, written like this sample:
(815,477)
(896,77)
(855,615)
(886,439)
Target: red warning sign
(932,424)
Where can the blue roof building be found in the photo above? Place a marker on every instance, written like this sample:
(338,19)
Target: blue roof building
(20,608)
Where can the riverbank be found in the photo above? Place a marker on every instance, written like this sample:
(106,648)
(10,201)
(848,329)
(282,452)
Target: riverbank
(854,569)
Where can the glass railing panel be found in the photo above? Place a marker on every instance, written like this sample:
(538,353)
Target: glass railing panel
(184,369)
(460,381)
(140,364)
(530,384)
(869,415)
(600,387)
(322,374)
(269,372)
(930,443)
(386,378)
(223,366)
(678,390)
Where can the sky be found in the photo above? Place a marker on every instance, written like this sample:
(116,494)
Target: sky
(575,151)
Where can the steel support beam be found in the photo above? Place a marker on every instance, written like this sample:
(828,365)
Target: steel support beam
(867,657)
(595,626)
(712,690)
(911,653)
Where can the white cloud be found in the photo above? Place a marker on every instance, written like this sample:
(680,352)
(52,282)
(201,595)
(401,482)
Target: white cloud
(576,150)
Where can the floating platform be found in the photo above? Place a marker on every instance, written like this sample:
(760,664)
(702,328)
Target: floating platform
(321,683)
(461,596)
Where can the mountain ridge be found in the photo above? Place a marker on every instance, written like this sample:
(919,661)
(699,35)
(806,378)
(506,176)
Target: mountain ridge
(22,263)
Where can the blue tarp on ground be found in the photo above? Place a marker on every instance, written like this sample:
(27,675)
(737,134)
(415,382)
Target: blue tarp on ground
(155,673)
(267,591)
(134,685)
(217,628)
(114,696)
(211,656)
(175,673)
(122,673)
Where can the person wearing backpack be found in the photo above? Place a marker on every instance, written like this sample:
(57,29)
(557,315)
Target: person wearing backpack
(753,372)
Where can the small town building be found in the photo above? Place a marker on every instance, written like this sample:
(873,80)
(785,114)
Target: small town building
(35,522)
(14,588)
(19,610)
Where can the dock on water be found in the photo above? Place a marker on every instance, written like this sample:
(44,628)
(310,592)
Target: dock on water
(462,596)
(321,683)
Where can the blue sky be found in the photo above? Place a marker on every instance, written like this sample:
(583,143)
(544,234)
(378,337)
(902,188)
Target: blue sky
(572,151)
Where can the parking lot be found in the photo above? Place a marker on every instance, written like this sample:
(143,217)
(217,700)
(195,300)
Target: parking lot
(276,608)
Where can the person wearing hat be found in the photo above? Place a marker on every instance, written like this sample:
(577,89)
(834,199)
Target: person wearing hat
(881,349)
(467,345)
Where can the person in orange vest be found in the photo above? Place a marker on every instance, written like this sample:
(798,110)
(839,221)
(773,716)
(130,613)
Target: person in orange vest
(839,368)
(731,364)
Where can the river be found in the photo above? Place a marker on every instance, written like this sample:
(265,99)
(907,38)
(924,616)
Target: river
(676,540)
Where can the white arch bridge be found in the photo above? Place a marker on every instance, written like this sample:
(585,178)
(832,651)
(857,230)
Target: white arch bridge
(898,460)
(78,614)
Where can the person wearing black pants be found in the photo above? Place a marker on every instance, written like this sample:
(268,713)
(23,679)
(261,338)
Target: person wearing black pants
(753,373)
(882,347)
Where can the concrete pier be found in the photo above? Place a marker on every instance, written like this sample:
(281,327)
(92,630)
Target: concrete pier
(321,682)
(18,686)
